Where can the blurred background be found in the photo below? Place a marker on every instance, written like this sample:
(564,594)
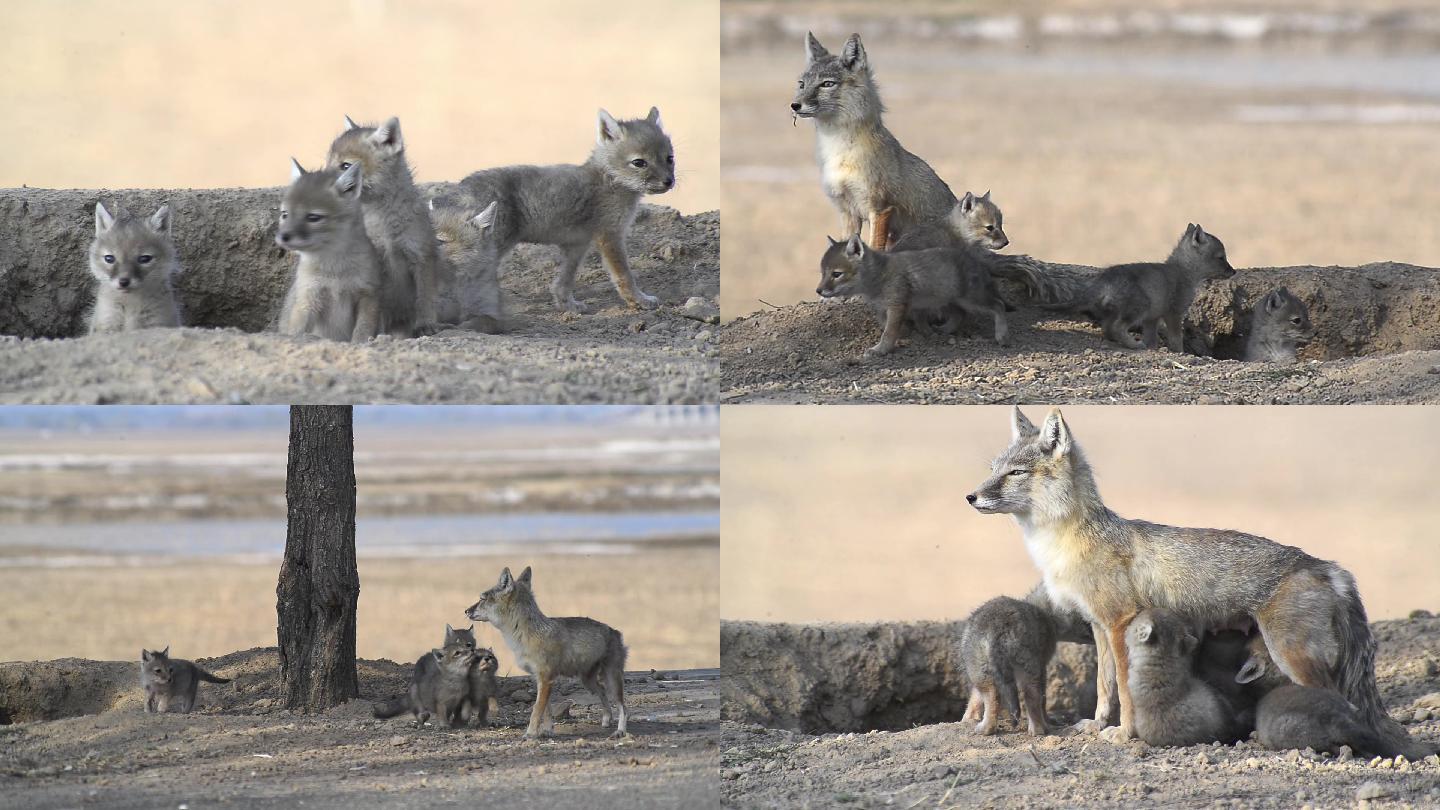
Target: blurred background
(130,527)
(858,513)
(150,94)
(1299,131)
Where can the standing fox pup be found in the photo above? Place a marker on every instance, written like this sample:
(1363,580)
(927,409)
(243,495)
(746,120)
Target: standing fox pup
(1279,326)
(1171,705)
(866,173)
(1303,717)
(396,221)
(132,261)
(899,283)
(1005,646)
(336,291)
(1110,569)
(467,266)
(552,647)
(483,686)
(440,687)
(165,679)
(973,221)
(572,206)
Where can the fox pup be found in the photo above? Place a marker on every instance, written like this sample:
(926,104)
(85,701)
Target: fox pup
(132,262)
(866,173)
(1109,568)
(397,222)
(1238,666)
(483,685)
(336,290)
(895,284)
(1304,717)
(440,687)
(167,679)
(974,221)
(1279,326)
(1172,706)
(573,206)
(1005,646)
(467,266)
(552,647)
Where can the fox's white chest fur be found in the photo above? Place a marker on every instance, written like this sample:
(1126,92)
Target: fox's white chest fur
(1054,555)
(845,160)
(511,636)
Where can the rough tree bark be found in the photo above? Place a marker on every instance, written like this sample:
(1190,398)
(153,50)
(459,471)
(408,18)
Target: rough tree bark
(319,584)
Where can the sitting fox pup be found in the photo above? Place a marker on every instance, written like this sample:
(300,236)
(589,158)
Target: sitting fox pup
(167,679)
(132,262)
(439,687)
(483,686)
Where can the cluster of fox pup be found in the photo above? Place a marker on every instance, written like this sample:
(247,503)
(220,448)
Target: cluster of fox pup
(374,257)
(1202,635)
(931,257)
(455,684)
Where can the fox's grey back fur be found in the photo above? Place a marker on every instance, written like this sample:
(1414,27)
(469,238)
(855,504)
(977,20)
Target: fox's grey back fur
(1005,647)
(863,167)
(397,221)
(973,221)
(335,292)
(941,279)
(1172,705)
(1304,717)
(439,687)
(550,647)
(132,261)
(1310,606)
(1279,326)
(572,207)
(167,679)
(467,281)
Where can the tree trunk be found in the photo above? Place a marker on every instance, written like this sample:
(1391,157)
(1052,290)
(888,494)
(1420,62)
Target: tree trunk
(319,585)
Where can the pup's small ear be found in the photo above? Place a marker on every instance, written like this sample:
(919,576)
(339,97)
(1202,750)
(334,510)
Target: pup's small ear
(486,218)
(1188,643)
(159,221)
(449,631)
(654,118)
(350,182)
(296,170)
(144,654)
(1252,668)
(833,240)
(967,203)
(350,124)
(388,135)
(855,248)
(103,219)
(607,129)
(165,651)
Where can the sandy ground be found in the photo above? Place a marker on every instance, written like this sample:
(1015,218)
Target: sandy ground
(474,85)
(239,749)
(1098,150)
(946,765)
(858,514)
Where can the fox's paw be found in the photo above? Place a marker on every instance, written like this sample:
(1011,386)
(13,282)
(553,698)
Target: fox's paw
(643,300)
(426,329)
(570,305)
(1115,734)
(1089,726)
(535,734)
(871,354)
(617,734)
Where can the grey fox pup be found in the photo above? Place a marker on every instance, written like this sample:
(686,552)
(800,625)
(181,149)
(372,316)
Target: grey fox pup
(572,206)
(973,221)
(866,173)
(467,267)
(336,290)
(483,686)
(1279,326)
(1005,647)
(1238,666)
(1306,717)
(1171,705)
(896,284)
(553,647)
(132,262)
(439,688)
(1109,568)
(397,222)
(167,679)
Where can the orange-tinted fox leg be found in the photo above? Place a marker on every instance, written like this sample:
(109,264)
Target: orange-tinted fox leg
(880,228)
(1121,654)
(1104,684)
(973,707)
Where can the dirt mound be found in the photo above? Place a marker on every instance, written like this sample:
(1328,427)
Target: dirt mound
(943,762)
(1378,340)
(234,278)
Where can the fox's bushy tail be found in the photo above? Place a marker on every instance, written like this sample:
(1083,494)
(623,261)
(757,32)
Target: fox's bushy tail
(1050,286)
(207,676)
(391,708)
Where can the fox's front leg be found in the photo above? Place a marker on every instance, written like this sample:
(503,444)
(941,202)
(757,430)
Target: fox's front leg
(1121,655)
(539,712)
(295,320)
(367,317)
(426,291)
(894,323)
(852,223)
(612,249)
(1104,682)
(880,228)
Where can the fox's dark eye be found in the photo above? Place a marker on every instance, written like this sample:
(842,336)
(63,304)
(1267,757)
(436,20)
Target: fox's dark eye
(344,165)
(284,215)
(670,159)
(828,83)
(836,274)
(314,217)
(146,259)
(802,84)
(1295,321)
(109,259)
(989,227)
(639,163)
(1016,472)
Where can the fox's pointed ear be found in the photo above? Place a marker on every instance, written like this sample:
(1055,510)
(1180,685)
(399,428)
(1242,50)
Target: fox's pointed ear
(1055,434)
(654,118)
(449,631)
(833,240)
(1198,234)
(350,124)
(1020,426)
(439,655)
(166,651)
(388,135)
(853,56)
(505,579)
(524,577)
(967,203)
(1144,629)
(1250,670)
(855,248)
(813,49)
(350,183)
(1188,643)
(103,219)
(296,170)
(607,129)
(144,654)
(986,195)
(486,218)
(1274,301)
(159,221)
(471,628)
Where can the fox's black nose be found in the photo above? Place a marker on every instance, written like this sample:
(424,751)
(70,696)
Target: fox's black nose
(669,182)
(284,237)
(970,498)
(124,282)
(795,106)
